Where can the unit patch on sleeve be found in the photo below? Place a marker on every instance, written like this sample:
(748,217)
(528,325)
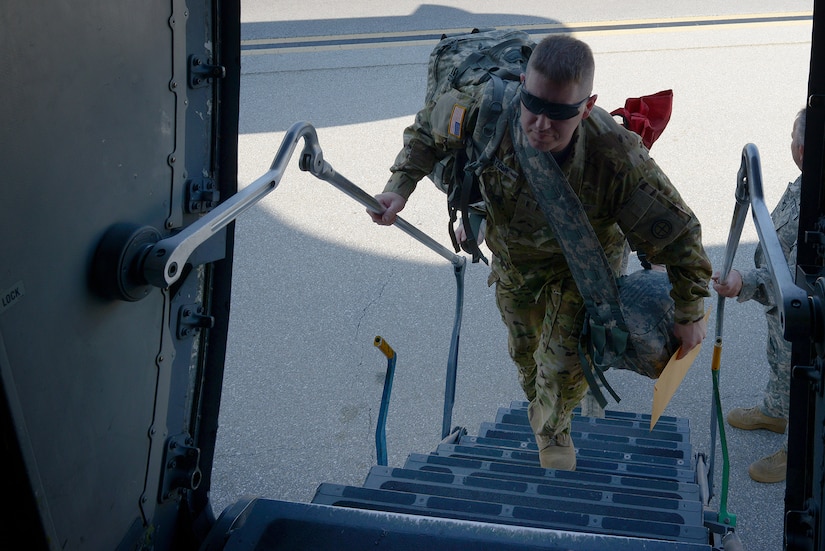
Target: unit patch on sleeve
(457,121)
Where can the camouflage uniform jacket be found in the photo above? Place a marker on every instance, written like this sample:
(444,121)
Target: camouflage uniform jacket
(606,166)
(756,283)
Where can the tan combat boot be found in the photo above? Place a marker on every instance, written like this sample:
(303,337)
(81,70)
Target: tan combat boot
(556,452)
(753,418)
(770,469)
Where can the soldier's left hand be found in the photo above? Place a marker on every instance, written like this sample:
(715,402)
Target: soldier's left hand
(690,335)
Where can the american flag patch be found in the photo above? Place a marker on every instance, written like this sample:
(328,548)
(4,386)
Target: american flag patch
(457,122)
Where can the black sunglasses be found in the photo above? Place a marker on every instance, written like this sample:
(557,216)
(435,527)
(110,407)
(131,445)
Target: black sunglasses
(554,111)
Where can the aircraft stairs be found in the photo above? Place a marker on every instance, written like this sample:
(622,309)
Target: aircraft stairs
(633,488)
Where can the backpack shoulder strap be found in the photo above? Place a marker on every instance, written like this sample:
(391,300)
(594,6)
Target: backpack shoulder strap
(568,220)
(592,273)
(494,108)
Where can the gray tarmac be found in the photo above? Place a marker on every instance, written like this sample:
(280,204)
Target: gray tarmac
(316,281)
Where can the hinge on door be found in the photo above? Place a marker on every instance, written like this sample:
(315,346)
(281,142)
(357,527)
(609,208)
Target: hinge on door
(201,195)
(202,71)
(191,319)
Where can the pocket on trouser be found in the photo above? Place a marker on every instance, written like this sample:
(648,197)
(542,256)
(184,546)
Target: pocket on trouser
(522,316)
(560,383)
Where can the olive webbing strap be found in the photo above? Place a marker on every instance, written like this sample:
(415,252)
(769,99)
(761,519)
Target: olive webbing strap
(592,272)
(487,136)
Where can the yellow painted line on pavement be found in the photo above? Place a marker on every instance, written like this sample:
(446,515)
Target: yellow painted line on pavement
(342,42)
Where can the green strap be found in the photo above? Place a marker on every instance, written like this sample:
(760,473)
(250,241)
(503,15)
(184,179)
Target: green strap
(588,369)
(470,243)
(724,517)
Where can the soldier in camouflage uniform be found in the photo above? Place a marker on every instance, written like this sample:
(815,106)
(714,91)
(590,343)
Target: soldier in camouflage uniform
(755,284)
(623,192)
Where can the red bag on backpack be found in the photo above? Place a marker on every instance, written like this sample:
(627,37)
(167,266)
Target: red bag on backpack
(648,115)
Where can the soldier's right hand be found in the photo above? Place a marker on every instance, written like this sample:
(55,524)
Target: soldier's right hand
(732,285)
(392,203)
(461,233)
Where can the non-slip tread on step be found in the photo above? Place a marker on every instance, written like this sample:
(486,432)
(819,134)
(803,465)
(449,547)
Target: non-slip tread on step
(517,422)
(556,497)
(534,474)
(583,462)
(585,448)
(614,414)
(630,427)
(482,511)
(629,444)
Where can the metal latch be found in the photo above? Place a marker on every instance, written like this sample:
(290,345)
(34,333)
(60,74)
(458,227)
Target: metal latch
(181,470)
(816,238)
(202,71)
(191,319)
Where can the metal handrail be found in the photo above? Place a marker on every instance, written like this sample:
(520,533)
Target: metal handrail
(163,264)
(312,161)
(792,302)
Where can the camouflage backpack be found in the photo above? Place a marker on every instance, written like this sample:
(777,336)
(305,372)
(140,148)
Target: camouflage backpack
(629,319)
(470,80)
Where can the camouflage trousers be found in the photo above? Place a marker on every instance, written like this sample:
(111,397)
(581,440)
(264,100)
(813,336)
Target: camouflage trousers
(543,337)
(776,398)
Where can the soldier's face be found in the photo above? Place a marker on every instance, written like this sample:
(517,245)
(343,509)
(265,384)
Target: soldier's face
(796,148)
(546,111)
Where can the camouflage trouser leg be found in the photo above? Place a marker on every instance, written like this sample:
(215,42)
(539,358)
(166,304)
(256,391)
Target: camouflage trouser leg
(776,399)
(543,339)
(523,316)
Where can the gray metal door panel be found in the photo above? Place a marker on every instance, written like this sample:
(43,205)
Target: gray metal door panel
(97,103)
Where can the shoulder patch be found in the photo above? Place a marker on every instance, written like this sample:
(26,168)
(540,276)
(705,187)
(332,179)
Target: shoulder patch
(456,128)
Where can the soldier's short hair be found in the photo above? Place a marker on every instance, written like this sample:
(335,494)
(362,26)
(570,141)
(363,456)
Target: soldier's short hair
(564,59)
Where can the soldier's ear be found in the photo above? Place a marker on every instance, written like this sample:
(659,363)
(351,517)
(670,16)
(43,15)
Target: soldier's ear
(588,106)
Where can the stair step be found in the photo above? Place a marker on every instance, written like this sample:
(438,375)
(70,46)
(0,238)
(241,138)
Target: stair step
(483,511)
(635,426)
(292,526)
(630,481)
(547,496)
(533,474)
(590,440)
(588,448)
(612,414)
(622,427)
(583,462)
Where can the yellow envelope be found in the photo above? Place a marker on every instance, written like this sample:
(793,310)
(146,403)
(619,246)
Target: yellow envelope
(670,379)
